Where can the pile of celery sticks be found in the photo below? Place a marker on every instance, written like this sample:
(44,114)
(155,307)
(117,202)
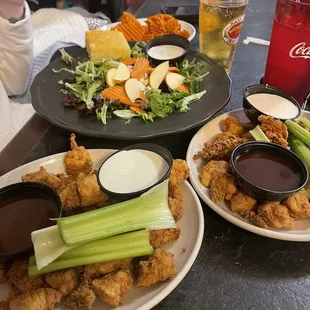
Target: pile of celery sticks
(115,232)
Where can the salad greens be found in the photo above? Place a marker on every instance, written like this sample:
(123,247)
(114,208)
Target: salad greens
(82,90)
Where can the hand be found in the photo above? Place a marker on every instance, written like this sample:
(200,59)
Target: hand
(12,8)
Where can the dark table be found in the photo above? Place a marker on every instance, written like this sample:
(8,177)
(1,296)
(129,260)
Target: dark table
(235,269)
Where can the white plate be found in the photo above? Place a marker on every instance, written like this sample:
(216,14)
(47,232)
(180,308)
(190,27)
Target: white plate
(184,26)
(301,231)
(185,249)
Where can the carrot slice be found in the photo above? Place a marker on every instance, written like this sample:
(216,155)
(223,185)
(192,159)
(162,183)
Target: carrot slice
(141,67)
(183,88)
(137,110)
(118,92)
(142,96)
(129,61)
(171,69)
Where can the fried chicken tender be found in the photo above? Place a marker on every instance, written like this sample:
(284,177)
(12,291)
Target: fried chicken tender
(42,176)
(89,190)
(159,267)
(65,281)
(161,237)
(40,299)
(111,287)
(96,270)
(298,206)
(13,293)
(274,129)
(242,204)
(213,169)
(222,188)
(78,159)
(274,215)
(175,192)
(70,197)
(83,296)
(18,276)
(176,208)
(179,172)
(232,125)
(220,148)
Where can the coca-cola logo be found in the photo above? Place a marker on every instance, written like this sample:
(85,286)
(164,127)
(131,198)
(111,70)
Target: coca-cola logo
(300,50)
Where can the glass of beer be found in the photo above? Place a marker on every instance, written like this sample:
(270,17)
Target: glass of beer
(288,64)
(220,23)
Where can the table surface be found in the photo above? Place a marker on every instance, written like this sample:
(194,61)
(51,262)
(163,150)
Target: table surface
(235,269)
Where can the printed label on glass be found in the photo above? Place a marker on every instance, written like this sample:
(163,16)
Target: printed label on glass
(231,31)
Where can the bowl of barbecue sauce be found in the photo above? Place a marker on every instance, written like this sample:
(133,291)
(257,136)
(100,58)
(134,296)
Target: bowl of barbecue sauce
(268,171)
(25,207)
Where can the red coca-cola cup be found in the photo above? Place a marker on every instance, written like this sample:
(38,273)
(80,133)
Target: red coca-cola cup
(288,63)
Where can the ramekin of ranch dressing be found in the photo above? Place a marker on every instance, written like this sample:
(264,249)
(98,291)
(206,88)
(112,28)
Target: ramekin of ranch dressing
(166,52)
(273,105)
(135,170)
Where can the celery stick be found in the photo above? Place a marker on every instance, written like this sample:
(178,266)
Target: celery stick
(258,134)
(305,121)
(300,149)
(125,247)
(149,211)
(298,131)
(48,245)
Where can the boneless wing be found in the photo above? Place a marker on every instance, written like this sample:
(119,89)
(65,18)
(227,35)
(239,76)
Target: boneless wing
(213,169)
(222,188)
(298,206)
(40,299)
(78,159)
(179,172)
(111,287)
(157,268)
(82,297)
(65,281)
(242,204)
(161,237)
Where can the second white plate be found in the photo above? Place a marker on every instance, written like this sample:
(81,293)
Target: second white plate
(301,231)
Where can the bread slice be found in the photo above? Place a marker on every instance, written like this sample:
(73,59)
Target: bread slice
(106,44)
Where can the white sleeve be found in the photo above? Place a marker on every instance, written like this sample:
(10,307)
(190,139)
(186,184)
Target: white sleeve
(16,53)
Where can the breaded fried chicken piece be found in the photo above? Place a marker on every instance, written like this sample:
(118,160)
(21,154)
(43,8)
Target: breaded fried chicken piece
(175,192)
(83,296)
(70,197)
(222,188)
(111,287)
(13,293)
(3,271)
(298,206)
(179,172)
(18,275)
(213,169)
(40,299)
(161,237)
(274,129)
(275,215)
(96,270)
(220,149)
(159,267)
(65,281)
(242,204)
(176,208)
(42,176)
(89,190)
(78,159)
(4,305)
(232,125)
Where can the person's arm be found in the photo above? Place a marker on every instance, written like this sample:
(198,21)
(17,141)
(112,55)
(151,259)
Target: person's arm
(15,45)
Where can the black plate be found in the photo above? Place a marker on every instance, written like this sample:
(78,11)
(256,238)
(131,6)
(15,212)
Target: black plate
(47,101)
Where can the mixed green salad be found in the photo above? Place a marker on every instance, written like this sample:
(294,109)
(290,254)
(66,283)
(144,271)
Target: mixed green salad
(106,89)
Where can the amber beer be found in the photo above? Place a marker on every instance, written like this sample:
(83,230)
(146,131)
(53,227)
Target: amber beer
(220,23)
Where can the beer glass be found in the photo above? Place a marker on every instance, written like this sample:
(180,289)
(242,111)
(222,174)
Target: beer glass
(220,23)
(288,64)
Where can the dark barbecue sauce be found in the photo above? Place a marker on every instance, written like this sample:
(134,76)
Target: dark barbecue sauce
(268,170)
(20,216)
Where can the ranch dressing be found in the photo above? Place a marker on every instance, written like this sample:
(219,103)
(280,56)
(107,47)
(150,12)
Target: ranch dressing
(131,171)
(165,52)
(274,105)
